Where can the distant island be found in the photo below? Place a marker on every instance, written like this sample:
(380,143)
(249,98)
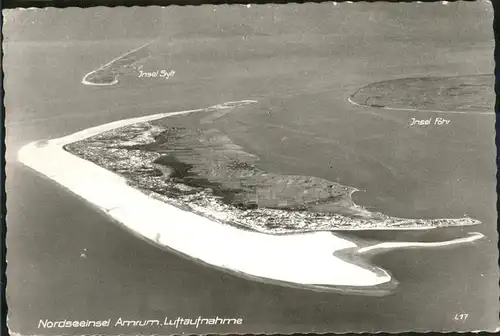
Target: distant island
(455,94)
(108,74)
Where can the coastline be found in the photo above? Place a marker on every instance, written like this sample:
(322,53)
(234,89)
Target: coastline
(300,260)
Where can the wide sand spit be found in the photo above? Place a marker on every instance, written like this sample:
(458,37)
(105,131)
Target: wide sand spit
(321,260)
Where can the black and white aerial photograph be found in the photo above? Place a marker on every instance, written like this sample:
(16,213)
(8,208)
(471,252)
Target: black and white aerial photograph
(251,169)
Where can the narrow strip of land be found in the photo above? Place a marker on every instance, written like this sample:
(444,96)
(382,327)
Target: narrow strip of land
(108,74)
